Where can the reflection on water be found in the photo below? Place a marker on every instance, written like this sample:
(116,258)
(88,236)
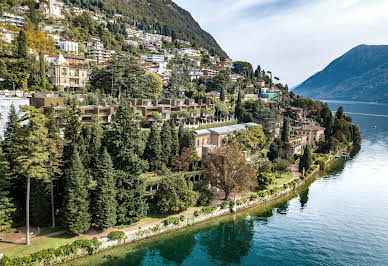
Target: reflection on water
(339,219)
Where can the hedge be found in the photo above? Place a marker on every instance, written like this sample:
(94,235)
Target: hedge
(224,205)
(116,235)
(172,220)
(47,256)
(209,209)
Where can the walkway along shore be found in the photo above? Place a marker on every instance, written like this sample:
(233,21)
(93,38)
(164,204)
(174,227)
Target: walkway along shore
(207,213)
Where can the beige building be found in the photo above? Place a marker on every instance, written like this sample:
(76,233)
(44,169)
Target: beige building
(62,73)
(311,130)
(298,143)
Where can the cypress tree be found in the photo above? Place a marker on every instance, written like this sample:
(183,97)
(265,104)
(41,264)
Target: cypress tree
(22,49)
(166,140)
(186,139)
(105,204)
(306,160)
(222,94)
(286,130)
(239,109)
(42,70)
(174,140)
(340,113)
(6,206)
(273,151)
(153,151)
(76,207)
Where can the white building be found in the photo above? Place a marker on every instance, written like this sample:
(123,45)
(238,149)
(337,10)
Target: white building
(156,58)
(100,55)
(95,43)
(194,74)
(189,52)
(69,45)
(5,106)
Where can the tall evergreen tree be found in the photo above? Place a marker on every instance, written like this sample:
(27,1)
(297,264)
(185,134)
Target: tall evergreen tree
(222,94)
(42,71)
(286,130)
(125,142)
(153,151)
(76,207)
(166,140)
(239,109)
(105,204)
(174,140)
(22,49)
(306,160)
(55,148)
(131,200)
(72,137)
(340,113)
(6,206)
(273,151)
(33,156)
(186,139)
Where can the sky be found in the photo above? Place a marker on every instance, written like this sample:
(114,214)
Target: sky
(292,38)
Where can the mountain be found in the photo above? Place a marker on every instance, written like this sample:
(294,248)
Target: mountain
(359,75)
(164,16)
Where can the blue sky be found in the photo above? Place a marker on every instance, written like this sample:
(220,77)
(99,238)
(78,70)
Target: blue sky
(294,39)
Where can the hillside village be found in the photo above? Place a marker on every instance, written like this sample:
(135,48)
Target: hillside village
(126,116)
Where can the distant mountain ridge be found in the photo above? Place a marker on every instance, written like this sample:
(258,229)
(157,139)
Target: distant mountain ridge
(359,75)
(163,14)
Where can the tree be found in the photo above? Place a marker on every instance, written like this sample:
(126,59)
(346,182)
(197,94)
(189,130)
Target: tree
(153,86)
(183,161)
(186,139)
(6,207)
(222,94)
(306,160)
(239,109)
(248,140)
(175,195)
(340,113)
(33,156)
(228,170)
(105,204)
(258,71)
(76,207)
(166,141)
(281,166)
(153,151)
(22,49)
(125,142)
(55,148)
(264,180)
(174,140)
(273,151)
(42,70)
(131,200)
(286,130)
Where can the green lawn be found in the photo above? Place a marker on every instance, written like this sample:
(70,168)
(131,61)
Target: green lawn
(282,180)
(21,250)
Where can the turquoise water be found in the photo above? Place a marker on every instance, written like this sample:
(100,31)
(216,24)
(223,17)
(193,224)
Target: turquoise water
(341,219)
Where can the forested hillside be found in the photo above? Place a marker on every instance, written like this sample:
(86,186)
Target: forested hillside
(162,16)
(359,75)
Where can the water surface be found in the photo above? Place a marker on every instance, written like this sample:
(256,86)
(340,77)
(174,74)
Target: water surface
(341,219)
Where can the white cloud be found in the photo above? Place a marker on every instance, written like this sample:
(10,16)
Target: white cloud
(293,40)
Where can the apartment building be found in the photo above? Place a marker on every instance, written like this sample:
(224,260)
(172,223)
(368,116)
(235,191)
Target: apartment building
(100,55)
(69,45)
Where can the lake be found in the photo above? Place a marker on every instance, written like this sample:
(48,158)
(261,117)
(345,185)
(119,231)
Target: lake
(340,219)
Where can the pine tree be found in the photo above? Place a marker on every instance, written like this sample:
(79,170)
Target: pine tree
(174,140)
(166,140)
(76,207)
(72,137)
(153,151)
(239,109)
(286,130)
(306,160)
(105,204)
(22,49)
(34,156)
(42,70)
(131,201)
(6,206)
(55,148)
(125,143)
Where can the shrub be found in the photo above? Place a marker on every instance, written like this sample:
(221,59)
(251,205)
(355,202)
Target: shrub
(263,194)
(182,218)
(196,213)
(156,228)
(172,220)
(208,210)
(116,235)
(205,196)
(240,202)
(224,205)
(254,196)
(231,204)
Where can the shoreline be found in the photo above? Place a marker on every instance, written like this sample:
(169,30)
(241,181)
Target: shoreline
(176,225)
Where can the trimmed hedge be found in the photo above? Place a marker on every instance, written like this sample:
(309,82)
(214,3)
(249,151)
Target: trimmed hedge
(209,209)
(172,220)
(47,256)
(224,205)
